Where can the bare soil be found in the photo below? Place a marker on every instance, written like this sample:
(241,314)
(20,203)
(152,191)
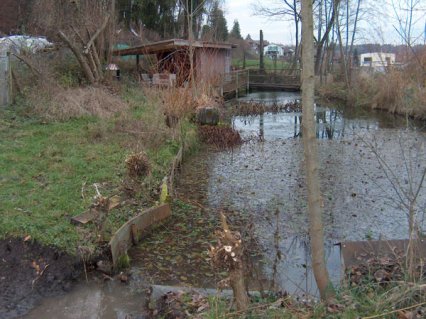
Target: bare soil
(29,272)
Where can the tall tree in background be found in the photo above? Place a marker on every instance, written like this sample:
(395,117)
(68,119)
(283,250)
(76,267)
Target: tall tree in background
(316,230)
(155,15)
(217,28)
(236,32)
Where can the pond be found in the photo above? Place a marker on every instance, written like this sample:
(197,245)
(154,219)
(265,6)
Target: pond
(367,160)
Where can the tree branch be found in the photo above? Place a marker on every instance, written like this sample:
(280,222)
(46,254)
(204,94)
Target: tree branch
(97,33)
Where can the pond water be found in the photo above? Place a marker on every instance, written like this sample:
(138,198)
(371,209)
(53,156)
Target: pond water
(265,179)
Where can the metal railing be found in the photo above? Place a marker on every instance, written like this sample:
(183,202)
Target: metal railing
(244,80)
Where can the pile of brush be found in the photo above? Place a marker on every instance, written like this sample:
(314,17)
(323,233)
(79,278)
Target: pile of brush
(258,108)
(221,137)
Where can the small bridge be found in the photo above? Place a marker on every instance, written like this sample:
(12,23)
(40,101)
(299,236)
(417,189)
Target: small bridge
(250,79)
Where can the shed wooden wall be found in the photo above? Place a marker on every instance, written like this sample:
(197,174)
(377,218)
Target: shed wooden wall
(211,64)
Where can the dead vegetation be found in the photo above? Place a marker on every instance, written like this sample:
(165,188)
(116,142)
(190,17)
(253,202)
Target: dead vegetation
(66,103)
(400,90)
(137,165)
(258,108)
(221,137)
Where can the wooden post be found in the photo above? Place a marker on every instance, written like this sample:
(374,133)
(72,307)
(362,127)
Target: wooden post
(248,81)
(236,89)
(11,98)
(137,63)
(261,63)
(4,79)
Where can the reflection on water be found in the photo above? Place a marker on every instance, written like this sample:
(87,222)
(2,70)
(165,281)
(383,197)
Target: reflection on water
(267,174)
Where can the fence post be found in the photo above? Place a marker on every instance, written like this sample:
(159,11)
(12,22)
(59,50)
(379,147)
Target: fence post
(236,90)
(248,81)
(4,79)
(11,93)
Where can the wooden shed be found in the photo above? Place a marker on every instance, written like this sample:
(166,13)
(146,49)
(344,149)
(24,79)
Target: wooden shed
(211,60)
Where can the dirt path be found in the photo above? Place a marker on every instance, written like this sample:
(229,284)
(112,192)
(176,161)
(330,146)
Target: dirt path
(29,272)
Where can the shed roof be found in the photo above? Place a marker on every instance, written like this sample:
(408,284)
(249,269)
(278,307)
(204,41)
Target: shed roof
(170,45)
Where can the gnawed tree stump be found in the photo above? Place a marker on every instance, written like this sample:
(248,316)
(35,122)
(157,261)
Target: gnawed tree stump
(228,254)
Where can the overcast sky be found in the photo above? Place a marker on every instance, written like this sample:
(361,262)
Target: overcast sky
(376,28)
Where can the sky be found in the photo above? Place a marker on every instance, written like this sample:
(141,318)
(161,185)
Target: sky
(377,28)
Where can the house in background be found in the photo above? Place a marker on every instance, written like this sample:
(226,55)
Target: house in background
(211,60)
(273,51)
(379,61)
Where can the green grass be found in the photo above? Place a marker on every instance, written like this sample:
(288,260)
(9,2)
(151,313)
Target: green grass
(254,64)
(45,166)
(367,299)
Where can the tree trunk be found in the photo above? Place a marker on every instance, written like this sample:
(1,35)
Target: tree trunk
(343,57)
(261,64)
(316,230)
(81,60)
(320,44)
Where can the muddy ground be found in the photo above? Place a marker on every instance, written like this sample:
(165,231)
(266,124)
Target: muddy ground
(30,272)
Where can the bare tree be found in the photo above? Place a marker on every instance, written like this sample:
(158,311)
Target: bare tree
(86,27)
(287,9)
(404,13)
(316,230)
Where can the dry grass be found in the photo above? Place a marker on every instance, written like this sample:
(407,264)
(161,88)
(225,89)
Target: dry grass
(221,137)
(137,165)
(400,90)
(57,103)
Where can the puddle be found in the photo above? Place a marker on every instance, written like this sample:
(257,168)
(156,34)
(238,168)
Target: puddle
(267,174)
(94,300)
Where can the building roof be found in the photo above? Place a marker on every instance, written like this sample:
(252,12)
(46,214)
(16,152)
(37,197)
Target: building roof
(170,45)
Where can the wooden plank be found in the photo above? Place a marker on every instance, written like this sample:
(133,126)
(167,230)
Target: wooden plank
(85,217)
(114,202)
(92,213)
(134,229)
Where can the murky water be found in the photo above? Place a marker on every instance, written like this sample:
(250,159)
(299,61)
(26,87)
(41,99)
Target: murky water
(362,198)
(96,299)
(264,179)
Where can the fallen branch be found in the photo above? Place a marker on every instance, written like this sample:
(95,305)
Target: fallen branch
(395,311)
(39,276)
(28,63)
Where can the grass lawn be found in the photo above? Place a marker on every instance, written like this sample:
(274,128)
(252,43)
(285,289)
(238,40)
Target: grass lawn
(47,171)
(254,64)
